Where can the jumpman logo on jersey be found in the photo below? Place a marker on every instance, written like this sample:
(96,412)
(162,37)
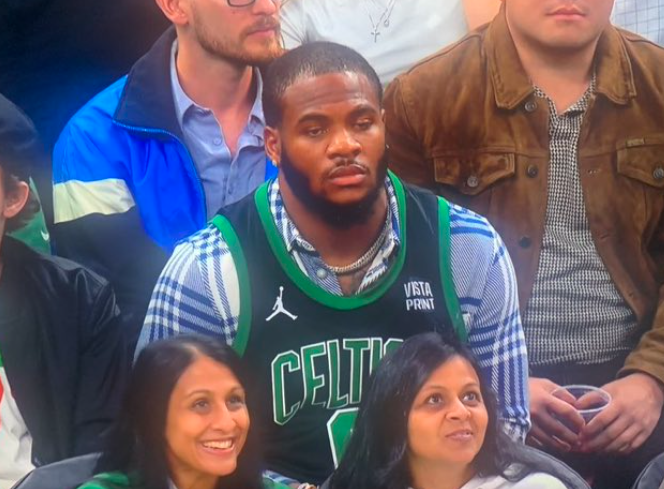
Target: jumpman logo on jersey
(279,307)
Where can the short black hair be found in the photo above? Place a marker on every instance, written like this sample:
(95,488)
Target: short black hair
(308,61)
(137,443)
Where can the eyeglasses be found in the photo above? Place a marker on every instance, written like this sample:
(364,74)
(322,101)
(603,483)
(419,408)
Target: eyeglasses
(245,3)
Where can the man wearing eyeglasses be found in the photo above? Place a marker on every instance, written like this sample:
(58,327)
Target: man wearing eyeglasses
(148,160)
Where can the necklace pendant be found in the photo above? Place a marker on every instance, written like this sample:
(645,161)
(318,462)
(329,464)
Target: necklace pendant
(375,35)
(386,23)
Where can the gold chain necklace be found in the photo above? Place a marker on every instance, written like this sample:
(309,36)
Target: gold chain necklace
(367,257)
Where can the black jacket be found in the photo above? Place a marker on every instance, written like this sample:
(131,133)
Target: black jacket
(62,349)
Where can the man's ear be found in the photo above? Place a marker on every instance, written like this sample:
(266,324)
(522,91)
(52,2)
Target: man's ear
(273,145)
(176,11)
(15,200)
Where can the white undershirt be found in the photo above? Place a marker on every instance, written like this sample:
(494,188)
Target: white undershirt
(417,28)
(537,480)
(15,441)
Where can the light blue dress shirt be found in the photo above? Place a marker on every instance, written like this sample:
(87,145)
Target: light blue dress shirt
(226,178)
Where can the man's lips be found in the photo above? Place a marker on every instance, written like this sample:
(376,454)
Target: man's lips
(567,12)
(348,174)
(265,28)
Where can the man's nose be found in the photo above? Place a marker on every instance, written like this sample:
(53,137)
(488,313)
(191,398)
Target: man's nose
(266,7)
(343,143)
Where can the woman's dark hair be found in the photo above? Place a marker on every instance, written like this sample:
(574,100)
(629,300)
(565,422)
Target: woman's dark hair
(137,442)
(376,456)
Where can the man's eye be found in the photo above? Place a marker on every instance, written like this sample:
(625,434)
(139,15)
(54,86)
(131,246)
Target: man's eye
(314,131)
(364,125)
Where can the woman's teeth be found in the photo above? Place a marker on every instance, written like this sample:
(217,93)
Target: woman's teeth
(219,445)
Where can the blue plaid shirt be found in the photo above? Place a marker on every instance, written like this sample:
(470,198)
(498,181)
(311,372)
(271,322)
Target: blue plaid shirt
(198,293)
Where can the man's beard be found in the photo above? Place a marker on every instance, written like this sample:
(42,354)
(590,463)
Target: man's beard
(233,51)
(340,216)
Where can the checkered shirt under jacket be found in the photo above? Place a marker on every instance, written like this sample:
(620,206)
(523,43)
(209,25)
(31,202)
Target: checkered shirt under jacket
(575,313)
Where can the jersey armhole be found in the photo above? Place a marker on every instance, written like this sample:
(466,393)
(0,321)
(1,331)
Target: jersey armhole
(244,321)
(445,264)
(107,480)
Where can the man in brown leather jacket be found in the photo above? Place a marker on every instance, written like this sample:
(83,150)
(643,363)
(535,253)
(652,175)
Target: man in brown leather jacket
(550,122)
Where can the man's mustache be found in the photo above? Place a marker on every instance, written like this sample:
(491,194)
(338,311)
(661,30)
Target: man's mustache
(344,165)
(266,23)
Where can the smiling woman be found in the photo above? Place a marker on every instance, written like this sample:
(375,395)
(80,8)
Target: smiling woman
(185,423)
(428,421)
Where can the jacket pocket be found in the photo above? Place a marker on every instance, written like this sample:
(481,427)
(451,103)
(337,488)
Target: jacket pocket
(472,173)
(642,160)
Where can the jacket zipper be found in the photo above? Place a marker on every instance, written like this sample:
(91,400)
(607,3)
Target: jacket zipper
(190,160)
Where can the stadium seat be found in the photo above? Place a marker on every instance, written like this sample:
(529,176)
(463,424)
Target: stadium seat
(65,474)
(547,463)
(652,477)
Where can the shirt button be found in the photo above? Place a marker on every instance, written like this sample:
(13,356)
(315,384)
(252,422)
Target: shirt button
(532,171)
(473,181)
(217,141)
(321,273)
(658,174)
(525,242)
(531,106)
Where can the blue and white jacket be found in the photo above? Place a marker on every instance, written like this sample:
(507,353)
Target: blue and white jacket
(125,186)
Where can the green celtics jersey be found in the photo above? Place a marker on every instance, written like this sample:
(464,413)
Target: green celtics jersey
(312,351)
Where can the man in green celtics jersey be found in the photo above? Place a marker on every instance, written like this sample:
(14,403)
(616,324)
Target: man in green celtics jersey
(62,358)
(323,271)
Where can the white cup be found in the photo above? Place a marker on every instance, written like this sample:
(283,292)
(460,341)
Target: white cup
(593,399)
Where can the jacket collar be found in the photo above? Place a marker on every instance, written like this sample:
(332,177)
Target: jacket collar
(147,99)
(511,82)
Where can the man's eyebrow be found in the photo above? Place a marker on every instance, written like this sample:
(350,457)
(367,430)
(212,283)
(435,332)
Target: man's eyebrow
(312,117)
(365,108)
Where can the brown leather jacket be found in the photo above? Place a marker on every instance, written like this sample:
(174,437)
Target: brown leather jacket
(465,123)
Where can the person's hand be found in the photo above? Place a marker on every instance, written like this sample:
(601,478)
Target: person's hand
(556,422)
(630,418)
